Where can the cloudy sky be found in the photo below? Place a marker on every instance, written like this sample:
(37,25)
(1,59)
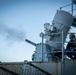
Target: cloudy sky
(24,19)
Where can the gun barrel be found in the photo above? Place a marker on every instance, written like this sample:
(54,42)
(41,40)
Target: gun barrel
(30,42)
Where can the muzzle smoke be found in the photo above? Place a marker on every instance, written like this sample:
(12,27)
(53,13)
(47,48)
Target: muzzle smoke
(11,33)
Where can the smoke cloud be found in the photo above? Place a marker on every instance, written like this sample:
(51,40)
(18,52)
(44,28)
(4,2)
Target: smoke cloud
(11,33)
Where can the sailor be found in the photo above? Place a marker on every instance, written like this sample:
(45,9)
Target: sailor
(70,45)
(71,42)
(74,45)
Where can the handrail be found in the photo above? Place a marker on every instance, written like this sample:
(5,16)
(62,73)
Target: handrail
(64,6)
(8,71)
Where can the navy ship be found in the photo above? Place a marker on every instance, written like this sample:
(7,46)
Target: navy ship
(50,56)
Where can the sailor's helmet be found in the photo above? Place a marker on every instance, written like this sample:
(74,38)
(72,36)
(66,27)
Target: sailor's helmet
(71,36)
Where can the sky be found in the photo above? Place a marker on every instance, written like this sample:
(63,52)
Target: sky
(24,19)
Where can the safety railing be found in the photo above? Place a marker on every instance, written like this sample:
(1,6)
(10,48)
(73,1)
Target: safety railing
(72,9)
